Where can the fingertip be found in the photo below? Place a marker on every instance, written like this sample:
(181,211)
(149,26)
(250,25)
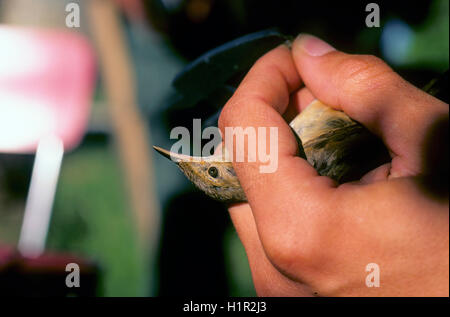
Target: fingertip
(305,97)
(316,62)
(298,101)
(381,173)
(311,45)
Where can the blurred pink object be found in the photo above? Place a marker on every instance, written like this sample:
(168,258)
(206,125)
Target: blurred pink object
(47,79)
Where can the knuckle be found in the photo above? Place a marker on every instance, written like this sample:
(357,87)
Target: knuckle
(238,109)
(238,104)
(360,74)
(228,113)
(281,253)
(293,251)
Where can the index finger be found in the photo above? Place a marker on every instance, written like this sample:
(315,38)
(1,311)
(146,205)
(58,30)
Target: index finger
(258,103)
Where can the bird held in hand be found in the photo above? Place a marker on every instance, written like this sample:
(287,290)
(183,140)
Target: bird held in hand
(334,144)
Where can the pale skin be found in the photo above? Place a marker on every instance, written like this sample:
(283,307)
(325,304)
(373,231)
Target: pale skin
(303,234)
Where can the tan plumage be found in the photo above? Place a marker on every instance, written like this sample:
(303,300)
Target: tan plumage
(223,185)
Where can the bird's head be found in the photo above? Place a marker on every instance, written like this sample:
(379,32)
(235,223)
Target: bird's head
(213,175)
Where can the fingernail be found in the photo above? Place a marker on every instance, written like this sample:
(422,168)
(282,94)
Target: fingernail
(314,46)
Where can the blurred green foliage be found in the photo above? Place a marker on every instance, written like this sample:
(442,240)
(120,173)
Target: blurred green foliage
(430,47)
(91,218)
(238,270)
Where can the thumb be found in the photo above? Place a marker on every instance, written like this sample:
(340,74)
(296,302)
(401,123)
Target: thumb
(370,92)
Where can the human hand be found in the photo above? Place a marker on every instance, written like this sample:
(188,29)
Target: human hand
(303,234)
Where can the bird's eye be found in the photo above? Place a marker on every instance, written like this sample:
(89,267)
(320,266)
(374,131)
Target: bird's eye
(213,172)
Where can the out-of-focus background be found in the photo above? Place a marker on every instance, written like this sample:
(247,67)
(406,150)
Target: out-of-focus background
(128,212)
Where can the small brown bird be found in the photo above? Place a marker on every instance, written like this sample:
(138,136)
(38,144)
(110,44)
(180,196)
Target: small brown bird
(334,144)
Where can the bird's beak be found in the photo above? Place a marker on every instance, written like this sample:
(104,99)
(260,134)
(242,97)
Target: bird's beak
(175,157)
